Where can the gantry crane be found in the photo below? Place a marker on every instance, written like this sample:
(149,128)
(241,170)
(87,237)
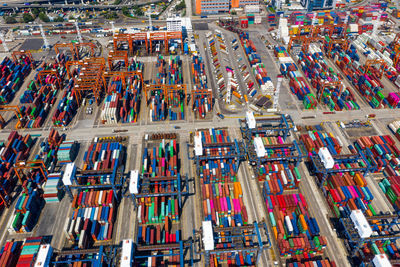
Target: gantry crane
(44,73)
(167,90)
(395,45)
(344,43)
(17,113)
(174,36)
(323,84)
(158,36)
(370,62)
(90,78)
(124,75)
(304,40)
(21,54)
(121,38)
(69,46)
(30,165)
(117,55)
(91,46)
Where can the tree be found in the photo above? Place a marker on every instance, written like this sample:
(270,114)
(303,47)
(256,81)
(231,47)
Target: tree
(43,17)
(233,12)
(180,6)
(35,11)
(9,20)
(138,11)
(125,11)
(27,18)
(117,2)
(287,2)
(71,17)
(59,19)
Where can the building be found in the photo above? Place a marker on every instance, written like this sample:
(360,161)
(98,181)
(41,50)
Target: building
(178,24)
(205,7)
(174,24)
(311,5)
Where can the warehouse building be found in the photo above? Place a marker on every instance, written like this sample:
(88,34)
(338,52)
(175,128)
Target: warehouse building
(205,7)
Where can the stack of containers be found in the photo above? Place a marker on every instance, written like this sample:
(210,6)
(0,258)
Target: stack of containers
(314,140)
(12,74)
(223,204)
(286,62)
(48,149)
(156,215)
(16,149)
(317,70)
(109,113)
(201,99)
(51,193)
(276,175)
(105,156)
(395,128)
(222,195)
(298,84)
(384,153)
(158,101)
(295,230)
(389,248)
(130,106)
(309,263)
(27,211)
(160,161)
(368,84)
(122,103)
(67,107)
(29,250)
(157,234)
(10,253)
(260,73)
(42,99)
(348,192)
(391,187)
(67,152)
(93,217)
(158,106)
(394,99)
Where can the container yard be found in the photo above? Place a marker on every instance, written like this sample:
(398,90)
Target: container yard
(268,136)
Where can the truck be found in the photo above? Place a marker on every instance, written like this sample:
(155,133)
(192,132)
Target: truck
(220,116)
(119,131)
(203,16)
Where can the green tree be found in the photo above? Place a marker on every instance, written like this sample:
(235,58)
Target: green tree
(27,18)
(71,17)
(43,17)
(180,6)
(35,11)
(125,11)
(233,12)
(59,19)
(9,20)
(117,2)
(138,11)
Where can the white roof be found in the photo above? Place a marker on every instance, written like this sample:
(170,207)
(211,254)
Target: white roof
(251,121)
(208,237)
(133,182)
(259,147)
(69,173)
(43,256)
(361,224)
(381,260)
(198,146)
(126,255)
